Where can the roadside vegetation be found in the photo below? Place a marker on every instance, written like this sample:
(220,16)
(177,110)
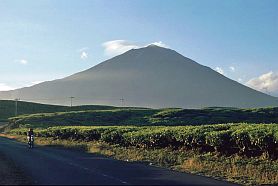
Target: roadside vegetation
(243,139)
(243,149)
(242,153)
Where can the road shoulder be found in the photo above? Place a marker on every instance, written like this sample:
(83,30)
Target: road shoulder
(10,174)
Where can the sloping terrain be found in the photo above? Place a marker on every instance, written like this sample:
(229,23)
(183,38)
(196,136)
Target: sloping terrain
(149,117)
(152,77)
(8,108)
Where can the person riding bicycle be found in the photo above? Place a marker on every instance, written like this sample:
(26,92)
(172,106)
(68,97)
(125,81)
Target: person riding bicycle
(30,137)
(30,132)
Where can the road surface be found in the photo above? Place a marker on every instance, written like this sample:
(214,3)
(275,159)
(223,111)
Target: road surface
(50,165)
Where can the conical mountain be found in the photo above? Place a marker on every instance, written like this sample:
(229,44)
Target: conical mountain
(147,77)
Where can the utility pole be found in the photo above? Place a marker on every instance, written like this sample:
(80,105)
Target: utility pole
(71,100)
(16,100)
(122,101)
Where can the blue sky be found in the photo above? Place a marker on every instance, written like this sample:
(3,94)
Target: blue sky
(45,40)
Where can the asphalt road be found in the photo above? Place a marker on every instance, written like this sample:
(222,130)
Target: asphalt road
(50,165)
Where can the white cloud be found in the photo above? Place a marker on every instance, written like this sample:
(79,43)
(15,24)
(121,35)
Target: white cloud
(35,82)
(232,69)
(159,43)
(267,83)
(84,55)
(116,47)
(5,87)
(21,61)
(219,70)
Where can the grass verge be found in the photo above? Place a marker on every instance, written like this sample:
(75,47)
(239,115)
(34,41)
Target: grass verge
(234,168)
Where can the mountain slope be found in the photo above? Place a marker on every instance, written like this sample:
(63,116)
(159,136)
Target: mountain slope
(7,108)
(147,77)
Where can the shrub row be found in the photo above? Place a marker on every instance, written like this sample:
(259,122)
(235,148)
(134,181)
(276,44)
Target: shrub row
(248,139)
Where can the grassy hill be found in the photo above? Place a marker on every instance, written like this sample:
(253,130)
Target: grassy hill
(86,118)
(7,108)
(214,115)
(141,116)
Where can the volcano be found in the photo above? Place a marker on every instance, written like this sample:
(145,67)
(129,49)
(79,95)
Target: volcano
(152,77)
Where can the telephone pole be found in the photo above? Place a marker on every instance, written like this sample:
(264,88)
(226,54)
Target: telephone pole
(71,100)
(122,101)
(16,100)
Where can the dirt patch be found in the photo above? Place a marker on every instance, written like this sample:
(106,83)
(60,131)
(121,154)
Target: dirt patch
(7,136)
(10,174)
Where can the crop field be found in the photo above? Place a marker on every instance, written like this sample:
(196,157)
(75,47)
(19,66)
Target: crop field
(243,139)
(244,153)
(215,115)
(146,117)
(84,118)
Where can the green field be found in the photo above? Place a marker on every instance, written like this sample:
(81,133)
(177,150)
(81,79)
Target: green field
(104,116)
(7,108)
(160,128)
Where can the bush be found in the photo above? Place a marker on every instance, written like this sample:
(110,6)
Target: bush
(247,139)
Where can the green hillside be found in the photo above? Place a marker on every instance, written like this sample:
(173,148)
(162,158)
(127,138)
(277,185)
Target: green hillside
(85,118)
(8,109)
(215,115)
(140,116)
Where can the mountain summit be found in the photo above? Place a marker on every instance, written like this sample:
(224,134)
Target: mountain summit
(147,77)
